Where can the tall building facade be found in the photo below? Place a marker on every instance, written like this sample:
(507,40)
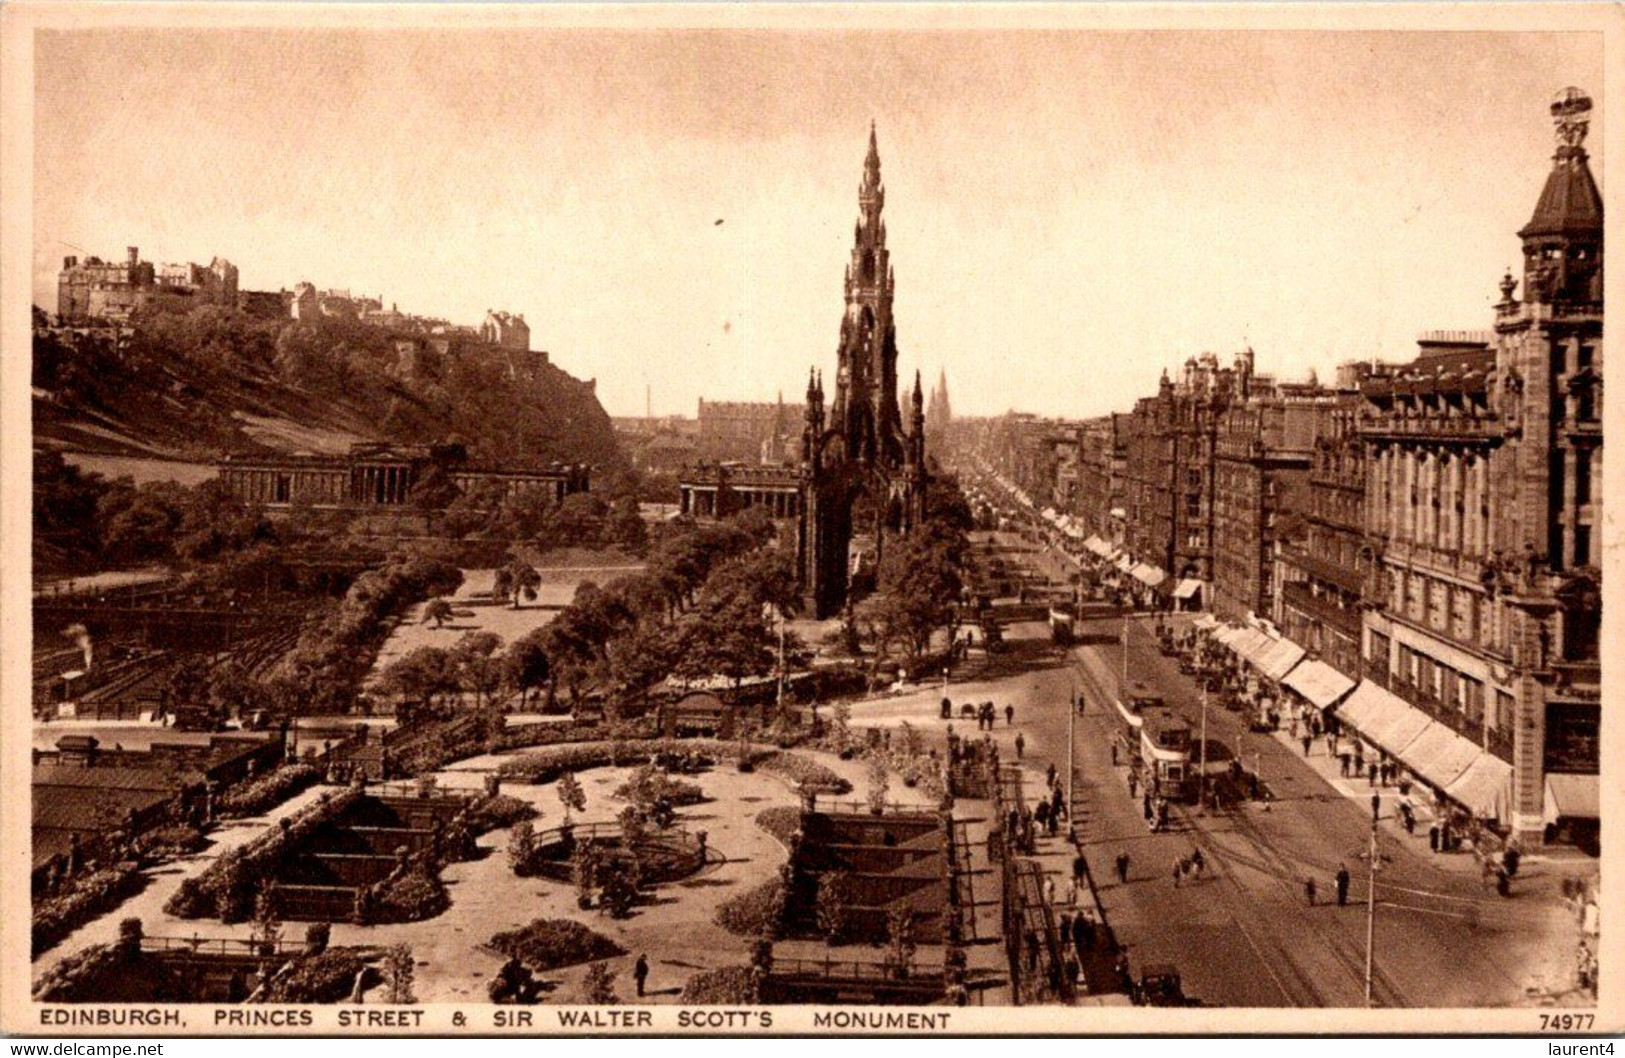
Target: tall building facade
(1484,593)
(1319,574)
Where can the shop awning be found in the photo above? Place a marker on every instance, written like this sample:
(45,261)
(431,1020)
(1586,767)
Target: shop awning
(1204,621)
(1188,588)
(1124,563)
(1485,788)
(1317,681)
(1360,705)
(1439,755)
(1147,574)
(1247,641)
(1095,545)
(1571,796)
(1277,659)
(1396,725)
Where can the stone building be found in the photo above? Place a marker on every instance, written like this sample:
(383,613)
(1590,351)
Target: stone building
(95,289)
(383,476)
(507,330)
(1260,472)
(1317,601)
(1483,497)
(747,432)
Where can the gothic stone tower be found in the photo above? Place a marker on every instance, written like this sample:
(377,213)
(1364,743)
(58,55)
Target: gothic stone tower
(862,449)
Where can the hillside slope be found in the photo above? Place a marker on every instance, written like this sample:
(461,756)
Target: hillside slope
(213,381)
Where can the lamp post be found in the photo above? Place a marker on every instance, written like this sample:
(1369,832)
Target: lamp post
(1201,783)
(1371,898)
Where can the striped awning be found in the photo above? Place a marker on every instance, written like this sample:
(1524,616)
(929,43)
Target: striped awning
(1571,796)
(1317,681)
(1276,660)
(1485,788)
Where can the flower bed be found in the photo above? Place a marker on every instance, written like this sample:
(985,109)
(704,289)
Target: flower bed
(548,764)
(265,793)
(551,943)
(729,986)
(89,896)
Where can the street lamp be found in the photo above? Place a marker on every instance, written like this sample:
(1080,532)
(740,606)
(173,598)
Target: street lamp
(1371,897)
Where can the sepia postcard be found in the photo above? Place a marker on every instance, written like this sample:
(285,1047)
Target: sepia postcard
(780,519)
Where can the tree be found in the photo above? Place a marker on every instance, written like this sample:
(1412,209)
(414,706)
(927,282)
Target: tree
(421,680)
(626,529)
(478,670)
(618,882)
(571,795)
(919,585)
(830,906)
(525,664)
(398,970)
(437,610)
(521,846)
(900,940)
(879,783)
(522,580)
(598,987)
(267,931)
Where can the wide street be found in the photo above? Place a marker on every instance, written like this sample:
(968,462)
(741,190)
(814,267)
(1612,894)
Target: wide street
(1244,934)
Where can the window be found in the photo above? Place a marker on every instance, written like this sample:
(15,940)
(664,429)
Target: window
(1472,698)
(1379,650)
(1582,545)
(1582,477)
(1505,705)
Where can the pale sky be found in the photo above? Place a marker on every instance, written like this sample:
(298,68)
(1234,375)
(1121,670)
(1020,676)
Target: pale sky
(1068,212)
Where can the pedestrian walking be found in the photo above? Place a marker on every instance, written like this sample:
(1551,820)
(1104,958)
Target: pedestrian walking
(1032,951)
(1162,815)
(1342,885)
(1198,862)
(1054,822)
(1433,838)
(1133,782)
(1010,716)
(1371,773)
(1021,745)
(1057,802)
(1049,890)
(640,972)
(1343,762)
(1041,814)
(1114,758)
(1122,868)
(1145,802)
(1179,871)
(1080,868)
(1309,890)
(1307,739)
(1049,776)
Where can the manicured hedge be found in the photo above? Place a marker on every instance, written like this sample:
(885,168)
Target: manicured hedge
(266,792)
(90,896)
(728,986)
(550,943)
(546,765)
(755,911)
(328,977)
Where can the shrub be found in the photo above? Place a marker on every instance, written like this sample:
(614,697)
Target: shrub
(415,895)
(781,822)
(831,906)
(618,881)
(89,896)
(549,943)
(495,813)
(729,986)
(648,784)
(757,910)
(260,795)
(174,840)
(598,988)
(328,977)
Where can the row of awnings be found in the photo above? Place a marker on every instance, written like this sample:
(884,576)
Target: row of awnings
(1463,771)
(1147,574)
(1471,776)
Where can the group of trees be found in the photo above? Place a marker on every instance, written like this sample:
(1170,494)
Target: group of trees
(703,606)
(83,520)
(920,580)
(583,519)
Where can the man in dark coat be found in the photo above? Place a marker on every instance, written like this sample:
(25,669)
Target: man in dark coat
(1342,885)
